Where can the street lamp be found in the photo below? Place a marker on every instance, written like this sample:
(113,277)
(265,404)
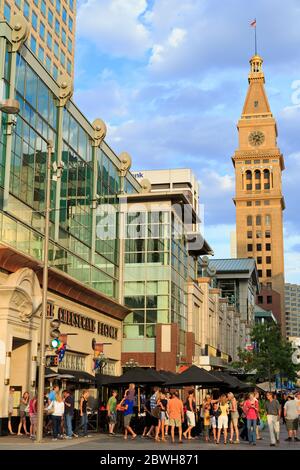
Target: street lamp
(42,362)
(131,363)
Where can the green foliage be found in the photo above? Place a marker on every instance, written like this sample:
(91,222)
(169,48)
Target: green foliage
(271,355)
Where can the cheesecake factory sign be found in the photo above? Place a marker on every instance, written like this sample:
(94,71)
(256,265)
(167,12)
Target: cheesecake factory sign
(85,323)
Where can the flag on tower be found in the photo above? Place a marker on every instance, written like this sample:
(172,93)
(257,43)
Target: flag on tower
(253,23)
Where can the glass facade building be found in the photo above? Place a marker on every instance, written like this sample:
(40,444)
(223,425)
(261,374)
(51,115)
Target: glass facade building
(157,266)
(41,16)
(75,200)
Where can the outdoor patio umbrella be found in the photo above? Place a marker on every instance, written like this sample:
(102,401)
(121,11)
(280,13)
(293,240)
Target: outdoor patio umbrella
(230,381)
(195,376)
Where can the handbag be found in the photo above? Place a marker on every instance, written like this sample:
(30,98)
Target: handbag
(50,408)
(156,412)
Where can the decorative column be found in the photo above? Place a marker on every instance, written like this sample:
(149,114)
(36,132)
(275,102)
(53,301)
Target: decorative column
(99,134)
(65,93)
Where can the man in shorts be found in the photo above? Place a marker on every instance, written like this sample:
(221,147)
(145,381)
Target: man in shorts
(176,416)
(291,418)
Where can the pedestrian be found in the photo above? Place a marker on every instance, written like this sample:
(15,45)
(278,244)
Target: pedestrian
(234,414)
(57,407)
(273,410)
(68,413)
(251,413)
(52,394)
(176,416)
(163,404)
(130,392)
(112,412)
(33,416)
(257,396)
(155,411)
(206,421)
(291,418)
(190,405)
(10,409)
(128,413)
(149,428)
(24,408)
(223,418)
(83,413)
(215,413)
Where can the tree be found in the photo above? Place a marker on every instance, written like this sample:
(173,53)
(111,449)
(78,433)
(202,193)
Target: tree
(271,355)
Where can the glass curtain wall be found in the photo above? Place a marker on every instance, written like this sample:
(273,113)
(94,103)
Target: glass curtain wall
(154,278)
(22,225)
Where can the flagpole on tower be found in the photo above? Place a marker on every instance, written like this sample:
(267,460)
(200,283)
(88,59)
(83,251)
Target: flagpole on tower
(253,24)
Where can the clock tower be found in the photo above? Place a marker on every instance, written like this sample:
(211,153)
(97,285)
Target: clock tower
(259,202)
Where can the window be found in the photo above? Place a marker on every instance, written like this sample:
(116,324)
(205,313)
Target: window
(247,162)
(42,30)
(248,175)
(41,53)
(258,247)
(70,45)
(48,63)
(18,3)
(50,17)
(269,299)
(269,272)
(267,202)
(63,36)
(258,220)
(69,67)
(257,174)
(26,9)
(43,7)
(71,5)
(268,246)
(259,272)
(266,179)
(56,49)
(249,203)
(268,234)
(260,299)
(63,58)
(258,234)
(49,41)
(57,27)
(257,203)
(268,219)
(257,186)
(249,220)
(55,72)
(259,260)
(7,12)
(36,2)
(268,259)
(249,247)
(70,24)
(34,20)
(58,6)
(64,15)
(33,44)
(269,285)
(255,104)
(256,161)
(249,234)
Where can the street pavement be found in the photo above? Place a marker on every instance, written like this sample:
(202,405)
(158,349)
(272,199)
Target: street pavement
(104,442)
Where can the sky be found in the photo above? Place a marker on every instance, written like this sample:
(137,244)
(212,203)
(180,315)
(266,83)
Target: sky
(169,78)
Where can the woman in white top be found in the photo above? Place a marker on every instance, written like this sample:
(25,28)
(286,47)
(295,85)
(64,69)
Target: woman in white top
(58,408)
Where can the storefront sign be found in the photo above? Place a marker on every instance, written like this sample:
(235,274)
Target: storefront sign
(85,323)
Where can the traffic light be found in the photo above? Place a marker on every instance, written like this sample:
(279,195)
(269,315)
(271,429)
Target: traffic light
(55,334)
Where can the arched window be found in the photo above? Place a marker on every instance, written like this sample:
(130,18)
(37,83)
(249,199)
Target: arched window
(267,179)
(257,176)
(248,180)
(267,220)
(249,220)
(258,220)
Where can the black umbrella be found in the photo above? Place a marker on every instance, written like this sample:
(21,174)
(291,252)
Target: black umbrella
(138,376)
(195,376)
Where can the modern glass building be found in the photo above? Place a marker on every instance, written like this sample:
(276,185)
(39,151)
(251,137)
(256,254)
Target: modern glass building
(52,30)
(89,178)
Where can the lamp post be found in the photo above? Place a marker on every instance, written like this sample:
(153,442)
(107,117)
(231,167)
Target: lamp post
(131,363)
(41,387)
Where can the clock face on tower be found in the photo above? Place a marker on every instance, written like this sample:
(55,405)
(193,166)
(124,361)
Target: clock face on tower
(256,138)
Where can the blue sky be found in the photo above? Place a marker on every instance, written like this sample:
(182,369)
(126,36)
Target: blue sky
(169,77)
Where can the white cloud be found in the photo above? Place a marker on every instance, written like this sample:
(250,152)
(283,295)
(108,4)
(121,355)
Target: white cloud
(114,26)
(161,51)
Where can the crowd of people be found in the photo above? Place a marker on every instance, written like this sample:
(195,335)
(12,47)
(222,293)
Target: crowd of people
(226,418)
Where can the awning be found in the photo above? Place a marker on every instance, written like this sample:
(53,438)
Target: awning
(195,376)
